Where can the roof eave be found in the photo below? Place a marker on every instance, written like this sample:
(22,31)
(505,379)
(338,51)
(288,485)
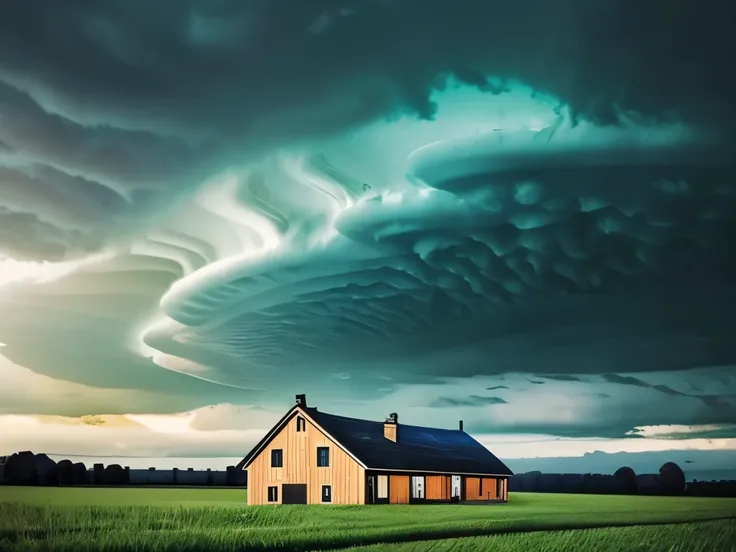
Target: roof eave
(480,474)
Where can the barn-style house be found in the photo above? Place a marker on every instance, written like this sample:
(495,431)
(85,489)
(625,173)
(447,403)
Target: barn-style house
(310,457)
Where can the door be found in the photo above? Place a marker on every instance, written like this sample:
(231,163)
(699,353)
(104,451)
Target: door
(293,494)
(456,484)
(399,489)
(370,490)
(382,489)
(417,487)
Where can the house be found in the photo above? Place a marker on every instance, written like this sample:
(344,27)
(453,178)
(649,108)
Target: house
(310,457)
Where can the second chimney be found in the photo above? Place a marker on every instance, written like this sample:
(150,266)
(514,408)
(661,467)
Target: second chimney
(460,425)
(301,400)
(391,427)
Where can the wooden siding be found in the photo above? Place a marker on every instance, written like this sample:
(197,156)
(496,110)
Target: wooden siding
(486,488)
(472,488)
(398,488)
(344,474)
(438,487)
(489,488)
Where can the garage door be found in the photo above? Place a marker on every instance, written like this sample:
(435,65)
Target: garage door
(293,494)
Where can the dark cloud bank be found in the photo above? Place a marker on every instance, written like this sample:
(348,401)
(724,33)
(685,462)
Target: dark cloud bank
(138,102)
(190,62)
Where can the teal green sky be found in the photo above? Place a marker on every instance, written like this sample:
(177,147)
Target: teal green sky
(513,214)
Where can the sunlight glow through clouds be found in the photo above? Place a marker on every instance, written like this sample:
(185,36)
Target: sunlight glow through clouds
(545,446)
(152,434)
(665,432)
(13,271)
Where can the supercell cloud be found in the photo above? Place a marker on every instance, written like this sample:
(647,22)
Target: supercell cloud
(397,201)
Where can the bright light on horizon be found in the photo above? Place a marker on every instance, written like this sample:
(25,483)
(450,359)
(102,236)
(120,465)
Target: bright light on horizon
(13,271)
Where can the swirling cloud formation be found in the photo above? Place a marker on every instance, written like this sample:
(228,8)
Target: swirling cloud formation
(371,199)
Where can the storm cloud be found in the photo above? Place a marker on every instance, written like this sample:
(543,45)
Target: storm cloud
(558,377)
(472,400)
(187,64)
(717,402)
(202,200)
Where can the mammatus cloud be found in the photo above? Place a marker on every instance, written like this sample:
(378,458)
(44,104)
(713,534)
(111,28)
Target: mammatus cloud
(197,203)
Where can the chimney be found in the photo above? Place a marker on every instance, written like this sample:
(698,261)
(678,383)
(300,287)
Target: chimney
(391,427)
(301,400)
(460,425)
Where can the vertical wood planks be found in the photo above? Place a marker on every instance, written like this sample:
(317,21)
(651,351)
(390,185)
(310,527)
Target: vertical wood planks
(344,474)
(399,489)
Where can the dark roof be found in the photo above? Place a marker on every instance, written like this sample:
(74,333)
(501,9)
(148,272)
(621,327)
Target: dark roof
(417,448)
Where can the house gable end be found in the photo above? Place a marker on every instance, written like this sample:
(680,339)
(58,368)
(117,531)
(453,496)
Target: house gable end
(282,425)
(272,433)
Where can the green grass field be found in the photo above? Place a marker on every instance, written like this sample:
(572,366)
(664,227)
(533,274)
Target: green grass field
(708,536)
(127,519)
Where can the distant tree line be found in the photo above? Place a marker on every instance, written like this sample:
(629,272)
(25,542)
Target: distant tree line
(669,481)
(27,468)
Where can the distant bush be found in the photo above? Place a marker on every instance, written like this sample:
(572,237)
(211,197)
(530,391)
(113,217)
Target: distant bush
(626,480)
(672,478)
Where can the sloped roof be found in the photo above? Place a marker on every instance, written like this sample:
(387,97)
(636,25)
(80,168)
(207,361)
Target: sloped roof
(417,448)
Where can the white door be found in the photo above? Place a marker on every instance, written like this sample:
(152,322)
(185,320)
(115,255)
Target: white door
(417,487)
(456,482)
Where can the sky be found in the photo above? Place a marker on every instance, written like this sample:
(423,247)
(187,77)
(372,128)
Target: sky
(518,214)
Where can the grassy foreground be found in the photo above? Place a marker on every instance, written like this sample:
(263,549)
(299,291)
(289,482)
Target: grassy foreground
(708,536)
(85,519)
(121,496)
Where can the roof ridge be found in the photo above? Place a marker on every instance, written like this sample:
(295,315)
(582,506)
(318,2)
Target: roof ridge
(322,412)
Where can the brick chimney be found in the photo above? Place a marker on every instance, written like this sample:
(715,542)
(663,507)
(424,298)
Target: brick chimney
(301,400)
(391,427)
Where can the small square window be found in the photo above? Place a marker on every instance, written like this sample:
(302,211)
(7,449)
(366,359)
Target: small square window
(273,494)
(277,458)
(301,424)
(326,493)
(323,457)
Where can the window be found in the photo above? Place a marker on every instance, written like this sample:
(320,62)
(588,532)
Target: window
(323,457)
(382,491)
(277,458)
(273,494)
(326,493)
(301,424)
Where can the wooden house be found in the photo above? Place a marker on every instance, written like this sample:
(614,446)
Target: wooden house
(310,457)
